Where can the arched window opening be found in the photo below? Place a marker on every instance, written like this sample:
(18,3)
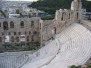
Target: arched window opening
(22,24)
(40,25)
(62,16)
(69,16)
(17,39)
(77,16)
(54,31)
(2,33)
(5,25)
(27,38)
(12,39)
(32,23)
(29,32)
(19,33)
(32,38)
(9,33)
(11,24)
(25,32)
(0,39)
(14,33)
(35,32)
(0,24)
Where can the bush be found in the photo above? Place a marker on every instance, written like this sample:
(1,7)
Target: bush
(73,66)
(89,66)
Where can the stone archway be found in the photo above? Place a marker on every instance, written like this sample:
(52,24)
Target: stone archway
(54,30)
(77,16)
(5,25)
(0,39)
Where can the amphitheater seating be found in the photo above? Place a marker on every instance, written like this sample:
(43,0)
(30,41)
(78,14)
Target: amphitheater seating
(13,59)
(71,47)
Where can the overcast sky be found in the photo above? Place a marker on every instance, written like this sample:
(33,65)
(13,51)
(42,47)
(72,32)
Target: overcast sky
(26,0)
(20,0)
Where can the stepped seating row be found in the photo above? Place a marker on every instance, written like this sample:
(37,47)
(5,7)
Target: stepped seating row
(86,24)
(71,46)
(48,50)
(76,51)
(13,61)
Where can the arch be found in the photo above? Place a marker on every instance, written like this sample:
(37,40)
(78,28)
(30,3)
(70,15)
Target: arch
(69,16)
(40,25)
(27,38)
(9,33)
(62,16)
(19,33)
(25,32)
(35,32)
(0,24)
(77,16)
(29,32)
(32,23)
(0,39)
(11,24)
(32,38)
(2,33)
(5,25)
(22,24)
(14,33)
(54,30)
(17,39)
(12,39)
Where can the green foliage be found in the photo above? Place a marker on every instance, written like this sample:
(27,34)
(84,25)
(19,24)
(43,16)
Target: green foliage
(2,13)
(73,66)
(11,24)
(51,17)
(17,11)
(29,46)
(50,6)
(89,66)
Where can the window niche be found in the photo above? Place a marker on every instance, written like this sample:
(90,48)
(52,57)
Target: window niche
(32,38)
(32,23)
(0,24)
(22,24)
(0,39)
(27,38)
(69,16)
(77,16)
(5,25)
(62,18)
(11,24)
(17,39)
(12,39)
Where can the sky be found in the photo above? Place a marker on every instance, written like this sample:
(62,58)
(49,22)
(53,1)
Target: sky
(20,0)
(26,0)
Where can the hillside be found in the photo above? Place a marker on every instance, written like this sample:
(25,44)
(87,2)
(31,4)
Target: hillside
(51,6)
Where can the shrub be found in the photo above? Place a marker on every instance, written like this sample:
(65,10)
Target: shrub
(73,66)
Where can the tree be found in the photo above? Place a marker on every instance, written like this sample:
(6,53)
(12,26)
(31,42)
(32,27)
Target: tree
(17,11)
(2,13)
(50,6)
